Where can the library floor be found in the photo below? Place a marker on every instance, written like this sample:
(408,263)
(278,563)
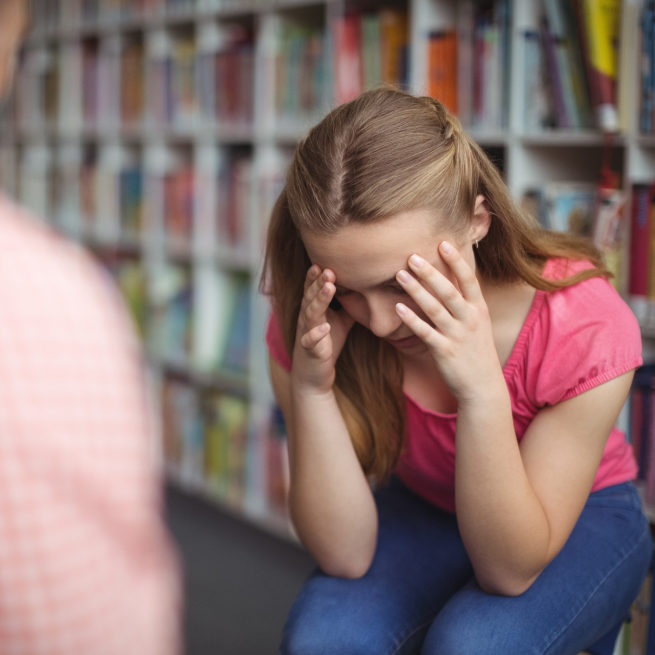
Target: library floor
(239,581)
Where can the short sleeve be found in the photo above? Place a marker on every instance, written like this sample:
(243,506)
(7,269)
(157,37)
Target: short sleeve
(275,342)
(585,335)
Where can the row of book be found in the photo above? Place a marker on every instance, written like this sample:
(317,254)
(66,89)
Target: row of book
(195,322)
(100,194)
(208,444)
(571,66)
(168,78)
(587,209)
(580,66)
(49,14)
(206,438)
(468,64)
(369,47)
(621,224)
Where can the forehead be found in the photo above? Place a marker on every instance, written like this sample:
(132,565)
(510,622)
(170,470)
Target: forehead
(363,255)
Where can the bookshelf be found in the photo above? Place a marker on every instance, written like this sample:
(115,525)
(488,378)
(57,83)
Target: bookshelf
(156,132)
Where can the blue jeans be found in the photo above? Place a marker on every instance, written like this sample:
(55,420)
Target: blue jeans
(420,595)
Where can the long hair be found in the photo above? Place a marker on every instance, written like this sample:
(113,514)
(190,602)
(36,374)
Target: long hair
(384,153)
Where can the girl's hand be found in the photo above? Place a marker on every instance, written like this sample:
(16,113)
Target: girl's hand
(321,333)
(458,330)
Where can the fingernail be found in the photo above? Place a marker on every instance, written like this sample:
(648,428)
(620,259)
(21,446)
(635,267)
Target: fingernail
(401,309)
(403,276)
(417,261)
(446,247)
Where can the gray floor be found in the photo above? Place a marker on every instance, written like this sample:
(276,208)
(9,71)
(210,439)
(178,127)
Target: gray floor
(239,581)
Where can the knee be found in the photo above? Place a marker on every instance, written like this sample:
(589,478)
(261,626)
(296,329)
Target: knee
(327,637)
(452,635)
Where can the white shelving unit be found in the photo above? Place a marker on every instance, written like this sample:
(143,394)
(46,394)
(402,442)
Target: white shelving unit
(52,133)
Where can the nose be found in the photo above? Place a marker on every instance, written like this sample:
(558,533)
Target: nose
(383,320)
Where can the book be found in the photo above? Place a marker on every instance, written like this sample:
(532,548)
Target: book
(234,201)
(277,461)
(647,69)
(569,206)
(393,46)
(371,48)
(600,23)
(539,110)
(90,81)
(640,240)
(226,444)
(132,82)
(234,76)
(566,64)
(443,68)
(183,432)
(172,315)
(347,63)
(642,428)
(183,92)
(178,204)
(607,230)
(236,353)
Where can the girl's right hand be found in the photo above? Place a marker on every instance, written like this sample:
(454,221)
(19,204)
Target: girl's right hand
(321,333)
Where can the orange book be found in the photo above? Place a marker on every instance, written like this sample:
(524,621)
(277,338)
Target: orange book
(442,68)
(393,45)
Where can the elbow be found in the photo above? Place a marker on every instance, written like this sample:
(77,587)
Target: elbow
(351,567)
(507,585)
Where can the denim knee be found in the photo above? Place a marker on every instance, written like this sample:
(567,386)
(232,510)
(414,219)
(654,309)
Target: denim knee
(331,635)
(458,635)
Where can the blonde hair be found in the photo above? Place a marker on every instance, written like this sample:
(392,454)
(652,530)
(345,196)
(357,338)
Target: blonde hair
(384,153)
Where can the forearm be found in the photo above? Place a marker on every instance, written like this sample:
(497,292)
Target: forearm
(331,503)
(501,519)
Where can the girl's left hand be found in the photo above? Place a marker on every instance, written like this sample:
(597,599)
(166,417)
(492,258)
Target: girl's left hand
(458,330)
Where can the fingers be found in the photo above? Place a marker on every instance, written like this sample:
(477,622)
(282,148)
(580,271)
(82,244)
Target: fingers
(464,274)
(433,292)
(419,327)
(319,291)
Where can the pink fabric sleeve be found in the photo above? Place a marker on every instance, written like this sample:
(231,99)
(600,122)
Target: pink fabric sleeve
(586,336)
(275,342)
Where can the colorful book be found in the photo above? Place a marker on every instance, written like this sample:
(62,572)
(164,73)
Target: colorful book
(347,47)
(600,21)
(443,68)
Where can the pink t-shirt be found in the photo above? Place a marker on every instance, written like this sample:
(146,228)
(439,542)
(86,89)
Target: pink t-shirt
(572,340)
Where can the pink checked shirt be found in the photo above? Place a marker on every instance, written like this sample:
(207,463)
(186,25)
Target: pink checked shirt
(572,340)
(86,565)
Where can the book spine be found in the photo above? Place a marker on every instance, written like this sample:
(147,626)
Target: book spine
(601,20)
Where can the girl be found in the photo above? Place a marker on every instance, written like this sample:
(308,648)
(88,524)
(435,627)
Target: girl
(450,374)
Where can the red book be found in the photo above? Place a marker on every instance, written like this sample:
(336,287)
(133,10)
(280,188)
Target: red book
(347,36)
(642,198)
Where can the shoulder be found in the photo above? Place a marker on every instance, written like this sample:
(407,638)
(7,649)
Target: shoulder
(583,335)
(591,305)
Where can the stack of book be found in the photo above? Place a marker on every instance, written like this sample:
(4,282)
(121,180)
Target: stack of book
(206,439)
(468,65)
(369,48)
(571,66)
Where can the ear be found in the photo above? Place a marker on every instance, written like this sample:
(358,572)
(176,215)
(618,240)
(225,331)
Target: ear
(481,220)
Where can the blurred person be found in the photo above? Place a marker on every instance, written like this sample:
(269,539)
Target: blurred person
(86,563)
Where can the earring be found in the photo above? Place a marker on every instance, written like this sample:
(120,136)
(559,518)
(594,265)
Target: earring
(477,244)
